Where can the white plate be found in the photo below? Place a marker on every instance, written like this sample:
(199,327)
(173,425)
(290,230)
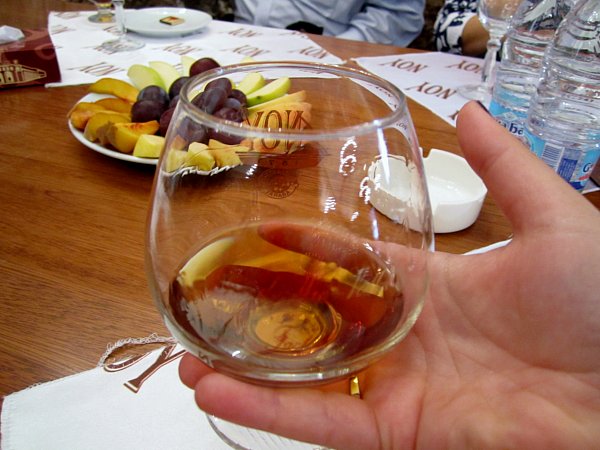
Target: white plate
(100,149)
(147,21)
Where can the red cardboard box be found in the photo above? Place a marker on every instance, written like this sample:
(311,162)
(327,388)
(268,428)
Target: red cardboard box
(28,61)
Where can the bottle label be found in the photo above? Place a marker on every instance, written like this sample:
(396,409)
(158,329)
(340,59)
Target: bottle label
(512,120)
(572,164)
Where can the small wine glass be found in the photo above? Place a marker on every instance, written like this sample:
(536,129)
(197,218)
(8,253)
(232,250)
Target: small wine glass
(287,243)
(122,43)
(495,16)
(104,12)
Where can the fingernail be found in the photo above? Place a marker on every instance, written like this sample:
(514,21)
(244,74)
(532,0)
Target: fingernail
(483,107)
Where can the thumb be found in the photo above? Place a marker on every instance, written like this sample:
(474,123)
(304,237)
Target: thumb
(529,192)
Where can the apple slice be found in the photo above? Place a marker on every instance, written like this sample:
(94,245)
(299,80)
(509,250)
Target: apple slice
(299,96)
(186,63)
(175,159)
(143,76)
(250,83)
(149,146)
(214,144)
(274,89)
(225,157)
(167,72)
(198,156)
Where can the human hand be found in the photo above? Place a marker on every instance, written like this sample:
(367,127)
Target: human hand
(506,352)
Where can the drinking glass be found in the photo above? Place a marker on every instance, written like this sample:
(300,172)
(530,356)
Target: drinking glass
(287,245)
(122,43)
(104,14)
(495,16)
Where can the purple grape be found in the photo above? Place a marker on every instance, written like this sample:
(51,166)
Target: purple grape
(239,96)
(155,93)
(223,137)
(146,110)
(173,102)
(176,86)
(222,83)
(165,120)
(231,102)
(211,100)
(202,65)
(192,131)
(235,115)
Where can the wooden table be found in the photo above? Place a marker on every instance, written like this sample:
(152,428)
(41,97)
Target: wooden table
(72,226)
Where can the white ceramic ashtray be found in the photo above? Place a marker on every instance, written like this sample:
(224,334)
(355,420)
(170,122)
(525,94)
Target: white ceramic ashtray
(456,192)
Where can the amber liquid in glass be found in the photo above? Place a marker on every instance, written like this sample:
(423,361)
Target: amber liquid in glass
(246,297)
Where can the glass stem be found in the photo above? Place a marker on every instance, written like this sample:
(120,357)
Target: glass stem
(489,63)
(120,17)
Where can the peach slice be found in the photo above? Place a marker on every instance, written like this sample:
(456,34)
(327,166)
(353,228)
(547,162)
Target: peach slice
(82,112)
(124,136)
(115,104)
(118,88)
(99,119)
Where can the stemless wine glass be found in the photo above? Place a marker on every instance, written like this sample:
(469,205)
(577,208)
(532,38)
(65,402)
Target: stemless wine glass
(122,43)
(287,243)
(104,12)
(495,16)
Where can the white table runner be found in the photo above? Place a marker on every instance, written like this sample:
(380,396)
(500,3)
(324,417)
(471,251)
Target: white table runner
(430,79)
(82,61)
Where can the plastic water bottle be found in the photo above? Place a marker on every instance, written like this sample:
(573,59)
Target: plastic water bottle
(531,29)
(563,123)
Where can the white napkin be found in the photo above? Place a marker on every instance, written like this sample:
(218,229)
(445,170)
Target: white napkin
(96,410)
(430,79)
(81,61)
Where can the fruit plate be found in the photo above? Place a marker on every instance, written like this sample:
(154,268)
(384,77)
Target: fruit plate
(147,21)
(101,149)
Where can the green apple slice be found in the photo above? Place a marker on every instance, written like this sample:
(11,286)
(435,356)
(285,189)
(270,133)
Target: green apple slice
(250,83)
(271,91)
(143,76)
(167,72)
(149,146)
(299,96)
(186,63)
(175,160)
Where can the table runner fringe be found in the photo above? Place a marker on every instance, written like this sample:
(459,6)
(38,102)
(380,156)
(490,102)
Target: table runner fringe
(151,339)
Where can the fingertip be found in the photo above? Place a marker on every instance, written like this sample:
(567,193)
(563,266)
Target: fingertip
(192,370)
(526,189)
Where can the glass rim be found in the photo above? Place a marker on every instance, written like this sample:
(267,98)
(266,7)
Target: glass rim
(241,129)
